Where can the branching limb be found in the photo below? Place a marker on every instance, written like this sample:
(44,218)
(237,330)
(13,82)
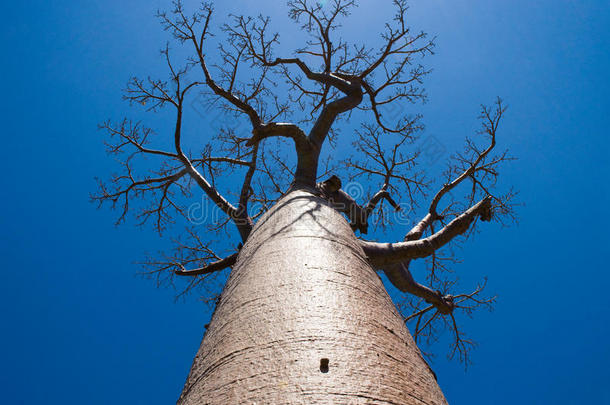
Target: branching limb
(353,97)
(125,187)
(378,196)
(240,218)
(476,166)
(280,129)
(398,73)
(188,252)
(319,21)
(477,162)
(187,29)
(491,119)
(344,203)
(400,276)
(209,268)
(383,254)
(246,188)
(158,186)
(426,323)
(251,33)
(398,41)
(131,134)
(393,166)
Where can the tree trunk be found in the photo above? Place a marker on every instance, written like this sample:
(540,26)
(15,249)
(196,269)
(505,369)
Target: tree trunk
(304,319)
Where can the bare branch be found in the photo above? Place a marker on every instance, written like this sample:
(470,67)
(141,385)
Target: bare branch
(381,194)
(427,323)
(210,268)
(383,254)
(281,129)
(188,30)
(490,126)
(400,276)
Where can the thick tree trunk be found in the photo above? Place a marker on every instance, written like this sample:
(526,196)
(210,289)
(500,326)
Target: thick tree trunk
(302,291)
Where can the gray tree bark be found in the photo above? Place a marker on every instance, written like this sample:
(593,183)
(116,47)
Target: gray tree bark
(304,319)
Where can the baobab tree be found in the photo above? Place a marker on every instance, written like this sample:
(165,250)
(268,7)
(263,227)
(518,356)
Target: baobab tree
(304,316)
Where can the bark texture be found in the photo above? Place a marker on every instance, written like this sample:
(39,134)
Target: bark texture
(303,291)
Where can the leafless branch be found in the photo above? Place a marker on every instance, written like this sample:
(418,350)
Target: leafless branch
(209,268)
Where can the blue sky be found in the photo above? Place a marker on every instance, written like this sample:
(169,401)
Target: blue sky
(80,327)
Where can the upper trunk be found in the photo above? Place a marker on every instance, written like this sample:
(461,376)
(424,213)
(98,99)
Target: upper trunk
(302,291)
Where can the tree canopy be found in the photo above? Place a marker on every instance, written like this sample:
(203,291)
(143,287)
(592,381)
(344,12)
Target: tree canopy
(318,118)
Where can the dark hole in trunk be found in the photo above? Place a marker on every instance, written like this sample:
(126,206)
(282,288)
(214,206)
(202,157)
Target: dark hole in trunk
(324,365)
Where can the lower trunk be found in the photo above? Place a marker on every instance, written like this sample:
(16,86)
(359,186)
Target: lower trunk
(304,319)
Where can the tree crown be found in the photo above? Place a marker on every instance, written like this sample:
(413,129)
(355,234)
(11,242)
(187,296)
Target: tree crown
(294,107)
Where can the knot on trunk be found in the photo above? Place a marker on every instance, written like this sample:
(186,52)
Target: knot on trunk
(330,189)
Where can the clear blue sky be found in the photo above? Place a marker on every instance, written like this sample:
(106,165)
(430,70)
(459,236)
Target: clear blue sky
(79,327)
